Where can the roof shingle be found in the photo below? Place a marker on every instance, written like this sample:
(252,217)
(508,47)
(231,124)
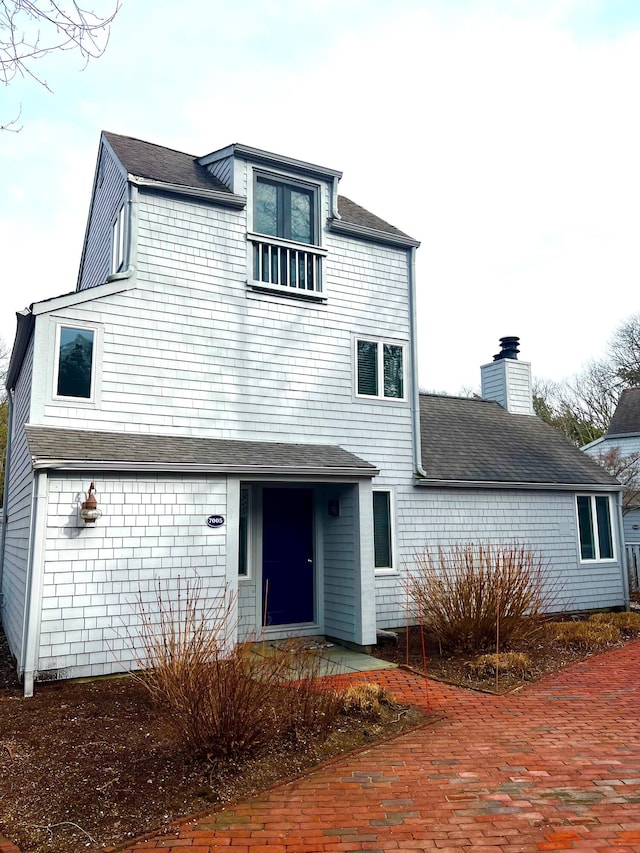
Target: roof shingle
(476,440)
(626,418)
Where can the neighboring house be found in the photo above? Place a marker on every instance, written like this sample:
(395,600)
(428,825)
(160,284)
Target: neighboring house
(236,374)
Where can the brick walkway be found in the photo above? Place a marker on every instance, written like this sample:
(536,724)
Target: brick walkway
(555,767)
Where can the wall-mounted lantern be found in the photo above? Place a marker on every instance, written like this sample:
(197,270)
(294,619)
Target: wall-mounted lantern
(90,512)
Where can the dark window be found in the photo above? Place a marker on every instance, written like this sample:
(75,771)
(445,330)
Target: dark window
(75,362)
(594,525)
(243,555)
(382,545)
(380,369)
(284,210)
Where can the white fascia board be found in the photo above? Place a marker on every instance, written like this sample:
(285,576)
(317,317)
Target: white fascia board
(540,487)
(226,199)
(267,158)
(372,235)
(592,443)
(202,468)
(110,288)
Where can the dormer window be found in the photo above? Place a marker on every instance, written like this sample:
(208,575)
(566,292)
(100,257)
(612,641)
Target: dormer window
(284,210)
(285,237)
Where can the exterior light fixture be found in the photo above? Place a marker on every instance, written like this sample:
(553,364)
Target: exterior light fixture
(90,512)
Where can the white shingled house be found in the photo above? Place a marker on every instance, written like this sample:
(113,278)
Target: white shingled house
(234,381)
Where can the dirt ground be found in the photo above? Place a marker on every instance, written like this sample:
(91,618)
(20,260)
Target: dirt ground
(89,764)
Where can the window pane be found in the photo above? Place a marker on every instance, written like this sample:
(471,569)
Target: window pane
(393,385)
(266,208)
(605,540)
(367,368)
(301,216)
(74,365)
(382,530)
(243,533)
(585,523)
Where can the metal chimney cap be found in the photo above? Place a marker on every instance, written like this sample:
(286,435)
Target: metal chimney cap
(508,348)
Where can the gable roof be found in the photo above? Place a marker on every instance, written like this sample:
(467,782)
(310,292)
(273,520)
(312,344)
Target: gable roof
(68,449)
(477,441)
(165,165)
(626,418)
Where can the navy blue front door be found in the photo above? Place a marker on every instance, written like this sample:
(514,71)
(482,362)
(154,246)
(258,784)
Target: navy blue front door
(287,556)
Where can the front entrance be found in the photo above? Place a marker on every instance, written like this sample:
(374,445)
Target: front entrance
(287,556)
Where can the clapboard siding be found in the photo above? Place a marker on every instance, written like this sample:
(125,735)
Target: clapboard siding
(544,520)
(341,566)
(109,194)
(152,535)
(18,511)
(222,170)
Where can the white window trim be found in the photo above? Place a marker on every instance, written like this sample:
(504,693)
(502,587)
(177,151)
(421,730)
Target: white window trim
(392,569)
(380,396)
(96,359)
(594,520)
(118,233)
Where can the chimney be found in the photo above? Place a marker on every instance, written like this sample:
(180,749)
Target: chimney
(507,380)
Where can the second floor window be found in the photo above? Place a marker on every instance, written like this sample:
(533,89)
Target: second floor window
(284,210)
(380,369)
(74,367)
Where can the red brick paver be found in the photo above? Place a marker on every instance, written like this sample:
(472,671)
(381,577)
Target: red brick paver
(554,767)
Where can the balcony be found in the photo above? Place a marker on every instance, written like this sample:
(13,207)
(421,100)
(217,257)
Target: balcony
(287,267)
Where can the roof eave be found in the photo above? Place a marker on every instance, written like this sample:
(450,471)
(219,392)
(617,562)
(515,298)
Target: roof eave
(433,482)
(203,468)
(372,235)
(225,199)
(268,158)
(24,330)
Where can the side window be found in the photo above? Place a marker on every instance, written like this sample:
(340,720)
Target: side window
(379,369)
(74,364)
(118,242)
(243,548)
(594,526)
(382,529)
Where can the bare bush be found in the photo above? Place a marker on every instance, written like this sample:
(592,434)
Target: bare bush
(223,698)
(480,596)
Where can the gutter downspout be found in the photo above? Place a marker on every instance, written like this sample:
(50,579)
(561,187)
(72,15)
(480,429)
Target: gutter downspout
(415,391)
(7,465)
(35,574)
(132,228)
(623,552)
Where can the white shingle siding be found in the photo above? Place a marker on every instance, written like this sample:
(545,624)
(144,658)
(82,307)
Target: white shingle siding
(110,193)
(153,531)
(543,520)
(18,512)
(508,382)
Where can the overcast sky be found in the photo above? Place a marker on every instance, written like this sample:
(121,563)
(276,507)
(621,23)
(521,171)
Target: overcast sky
(503,134)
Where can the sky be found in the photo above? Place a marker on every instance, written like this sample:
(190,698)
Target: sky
(502,134)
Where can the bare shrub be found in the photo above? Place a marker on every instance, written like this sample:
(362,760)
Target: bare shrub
(366,699)
(226,699)
(477,596)
(584,636)
(502,663)
(628,623)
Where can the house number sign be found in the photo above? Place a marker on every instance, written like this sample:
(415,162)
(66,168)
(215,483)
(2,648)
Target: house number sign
(215,521)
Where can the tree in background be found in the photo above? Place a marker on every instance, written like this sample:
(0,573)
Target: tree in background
(582,407)
(32,29)
(626,469)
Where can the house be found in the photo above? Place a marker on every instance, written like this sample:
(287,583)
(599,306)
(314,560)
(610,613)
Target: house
(231,393)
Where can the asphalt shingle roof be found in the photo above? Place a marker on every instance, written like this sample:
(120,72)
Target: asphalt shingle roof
(157,163)
(471,439)
(74,445)
(626,418)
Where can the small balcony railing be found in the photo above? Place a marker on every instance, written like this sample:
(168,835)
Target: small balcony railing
(284,266)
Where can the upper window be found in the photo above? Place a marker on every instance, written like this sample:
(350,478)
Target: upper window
(594,524)
(284,210)
(118,242)
(382,530)
(380,369)
(74,362)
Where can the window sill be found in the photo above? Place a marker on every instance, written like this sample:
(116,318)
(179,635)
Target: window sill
(286,292)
